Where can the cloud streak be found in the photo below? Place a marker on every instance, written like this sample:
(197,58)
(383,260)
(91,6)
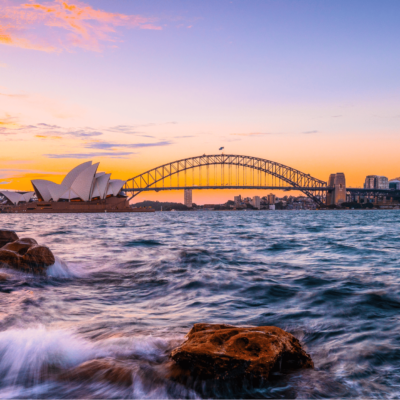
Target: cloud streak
(12,173)
(252,134)
(13,95)
(121,154)
(69,24)
(133,129)
(48,137)
(110,146)
(10,126)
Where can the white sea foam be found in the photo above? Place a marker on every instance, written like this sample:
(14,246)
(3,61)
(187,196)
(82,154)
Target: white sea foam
(24,353)
(146,347)
(60,269)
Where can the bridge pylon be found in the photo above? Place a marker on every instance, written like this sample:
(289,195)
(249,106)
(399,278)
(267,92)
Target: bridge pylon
(337,195)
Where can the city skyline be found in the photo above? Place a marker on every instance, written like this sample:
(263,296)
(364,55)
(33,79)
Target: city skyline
(134,85)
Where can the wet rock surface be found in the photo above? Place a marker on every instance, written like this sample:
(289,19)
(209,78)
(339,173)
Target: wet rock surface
(20,246)
(105,369)
(7,236)
(4,277)
(229,353)
(24,254)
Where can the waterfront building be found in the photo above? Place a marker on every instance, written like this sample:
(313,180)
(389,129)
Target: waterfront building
(83,183)
(271,199)
(83,190)
(238,200)
(394,184)
(369,182)
(256,202)
(376,182)
(15,198)
(382,182)
(188,198)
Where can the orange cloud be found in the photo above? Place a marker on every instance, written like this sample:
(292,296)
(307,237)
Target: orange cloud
(48,137)
(8,37)
(71,25)
(8,123)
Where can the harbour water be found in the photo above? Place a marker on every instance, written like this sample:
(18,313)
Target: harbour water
(130,286)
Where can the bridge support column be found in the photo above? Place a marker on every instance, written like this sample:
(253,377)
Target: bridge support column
(188,198)
(337,195)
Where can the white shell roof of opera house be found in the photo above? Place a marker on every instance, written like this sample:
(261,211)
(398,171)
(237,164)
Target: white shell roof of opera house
(83,182)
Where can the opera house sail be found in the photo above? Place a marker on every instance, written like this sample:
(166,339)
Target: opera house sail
(83,189)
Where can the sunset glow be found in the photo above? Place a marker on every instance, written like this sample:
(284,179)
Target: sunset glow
(134,85)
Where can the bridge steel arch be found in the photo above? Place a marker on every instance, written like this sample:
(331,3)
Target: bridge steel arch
(150,180)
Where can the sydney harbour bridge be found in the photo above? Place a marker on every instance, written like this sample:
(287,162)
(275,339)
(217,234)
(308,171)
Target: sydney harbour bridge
(229,171)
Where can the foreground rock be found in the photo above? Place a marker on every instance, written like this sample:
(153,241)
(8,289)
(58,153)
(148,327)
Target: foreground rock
(7,236)
(103,369)
(24,254)
(226,352)
(4,277)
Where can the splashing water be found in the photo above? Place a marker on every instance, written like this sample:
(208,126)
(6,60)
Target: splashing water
(125,289)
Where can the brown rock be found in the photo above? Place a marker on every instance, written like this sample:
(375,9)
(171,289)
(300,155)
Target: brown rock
(226,352)
(38,258)
(10,259)
(7,236)
(20,246)
(29,240)
(4,277)
(104,369)
(26,255)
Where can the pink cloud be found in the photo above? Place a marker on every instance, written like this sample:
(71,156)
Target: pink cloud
(74,24)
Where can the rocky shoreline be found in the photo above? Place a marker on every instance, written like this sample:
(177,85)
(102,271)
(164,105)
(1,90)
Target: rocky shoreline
(24,254)
(231,353)
(212,355)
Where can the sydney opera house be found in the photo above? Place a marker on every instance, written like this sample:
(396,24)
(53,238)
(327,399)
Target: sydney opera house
(83,189)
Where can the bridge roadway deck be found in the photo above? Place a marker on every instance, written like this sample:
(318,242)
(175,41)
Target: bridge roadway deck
(286,188)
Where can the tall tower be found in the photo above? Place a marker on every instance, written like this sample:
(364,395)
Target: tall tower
(188,198)
(338,194)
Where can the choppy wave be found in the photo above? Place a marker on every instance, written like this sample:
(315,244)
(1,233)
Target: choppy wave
(127,288)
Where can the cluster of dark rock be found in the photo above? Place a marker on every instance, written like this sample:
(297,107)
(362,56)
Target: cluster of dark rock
(226,352)
(211,352)
(216,354)
(24,254)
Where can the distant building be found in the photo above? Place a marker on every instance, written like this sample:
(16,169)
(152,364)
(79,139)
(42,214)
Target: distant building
(394,184)
(11,197)
(238,200)
(188,198)
(376,182)
(382,182)
(369,182)
(256,202)
(271,199)
(81,184)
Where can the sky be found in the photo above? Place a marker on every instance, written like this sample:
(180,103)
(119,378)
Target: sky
(134,84)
